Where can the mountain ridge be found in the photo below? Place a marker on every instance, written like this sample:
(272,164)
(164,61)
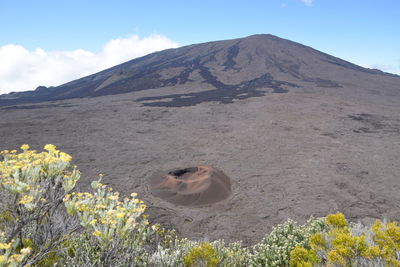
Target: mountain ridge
(241,65)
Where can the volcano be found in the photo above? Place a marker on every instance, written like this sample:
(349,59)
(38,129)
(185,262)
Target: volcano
(294,132)
(216,71)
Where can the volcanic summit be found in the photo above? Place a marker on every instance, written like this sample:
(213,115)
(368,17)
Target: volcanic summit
(216,71)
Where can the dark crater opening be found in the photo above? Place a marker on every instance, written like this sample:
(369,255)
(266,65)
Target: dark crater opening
(180,173)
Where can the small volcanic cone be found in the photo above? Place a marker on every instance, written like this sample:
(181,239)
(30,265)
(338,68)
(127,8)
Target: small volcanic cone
(191,186)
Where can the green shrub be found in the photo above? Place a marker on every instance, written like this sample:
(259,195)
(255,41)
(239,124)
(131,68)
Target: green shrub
(173,254)
(232,255)
(275,248)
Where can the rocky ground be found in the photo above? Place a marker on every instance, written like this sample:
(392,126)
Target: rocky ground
(311,151)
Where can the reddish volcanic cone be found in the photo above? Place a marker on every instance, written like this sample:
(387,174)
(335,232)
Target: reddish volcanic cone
(192,186)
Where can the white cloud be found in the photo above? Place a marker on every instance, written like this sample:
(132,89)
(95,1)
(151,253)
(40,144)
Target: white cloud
(22,70)
(389,67)
(307,2)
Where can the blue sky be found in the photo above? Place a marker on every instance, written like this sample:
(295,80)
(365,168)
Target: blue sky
(45,42)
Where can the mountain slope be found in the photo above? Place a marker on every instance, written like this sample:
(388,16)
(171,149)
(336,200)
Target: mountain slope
(220,71)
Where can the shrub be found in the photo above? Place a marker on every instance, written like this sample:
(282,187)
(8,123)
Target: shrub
(90,228)
(233,255)
(274,249)
(115,232)
(203,255)
(171,250)
(43,222)
(353,245)
(175,251)
(32,221)
(387,242)
(301,257)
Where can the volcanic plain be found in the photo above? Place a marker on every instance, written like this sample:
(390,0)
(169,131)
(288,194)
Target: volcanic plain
(298,132)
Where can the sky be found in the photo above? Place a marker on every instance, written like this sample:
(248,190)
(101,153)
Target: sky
(49,42)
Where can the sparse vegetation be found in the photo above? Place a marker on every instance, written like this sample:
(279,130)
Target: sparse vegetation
(351,245)
(45,222)
(33,222)
(275,248)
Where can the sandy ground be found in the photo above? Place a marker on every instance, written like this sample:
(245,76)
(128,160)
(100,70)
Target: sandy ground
(288,155)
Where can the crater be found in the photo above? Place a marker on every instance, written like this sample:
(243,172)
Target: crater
(192,186)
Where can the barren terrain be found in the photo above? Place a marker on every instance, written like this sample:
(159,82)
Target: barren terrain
(309,139)
(288,155)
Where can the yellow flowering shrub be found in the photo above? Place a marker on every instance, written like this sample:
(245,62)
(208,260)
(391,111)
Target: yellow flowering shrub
(202,255)
(108,220)
(317,242)
(341,247)
(36,229)
(301,257)
(336,220)
(25,174)
(10,255)
(104,212)
(32,186)
(387,238)
(109,223)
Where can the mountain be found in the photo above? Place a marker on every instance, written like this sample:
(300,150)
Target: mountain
(296,133)
(220,71)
